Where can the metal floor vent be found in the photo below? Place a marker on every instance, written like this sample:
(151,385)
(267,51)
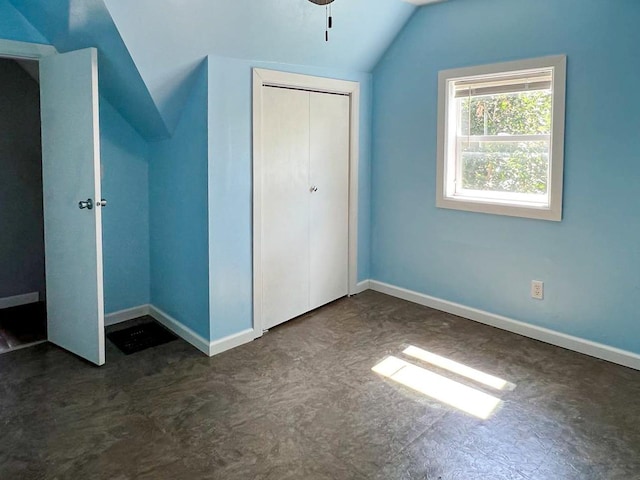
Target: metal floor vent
(140,337)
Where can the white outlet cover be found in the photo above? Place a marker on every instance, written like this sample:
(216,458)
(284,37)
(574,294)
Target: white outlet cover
(537,289)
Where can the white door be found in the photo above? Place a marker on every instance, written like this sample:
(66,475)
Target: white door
(285,205)
(305,202)
(71,173)
(329,205)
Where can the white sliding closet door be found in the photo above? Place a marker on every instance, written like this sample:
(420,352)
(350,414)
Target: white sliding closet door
(285,205)
(305,202)
(329,209)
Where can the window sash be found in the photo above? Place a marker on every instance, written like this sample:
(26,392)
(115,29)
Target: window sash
(503,138)
(523,199)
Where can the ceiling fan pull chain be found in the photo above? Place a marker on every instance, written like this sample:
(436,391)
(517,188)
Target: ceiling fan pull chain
(329,16)
(327,27)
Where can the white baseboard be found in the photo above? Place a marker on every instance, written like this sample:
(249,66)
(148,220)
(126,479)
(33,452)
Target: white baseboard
(232,341)
(179,329)
(587,347)
(206,347)
(362,286)
(17,300)
(124,315)
(188,335)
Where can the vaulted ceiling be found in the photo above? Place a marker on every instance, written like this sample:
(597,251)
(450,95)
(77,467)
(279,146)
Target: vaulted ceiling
(15,27)
(75,24)
(149,49)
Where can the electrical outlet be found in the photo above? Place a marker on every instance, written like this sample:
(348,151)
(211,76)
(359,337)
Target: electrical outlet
(537,289)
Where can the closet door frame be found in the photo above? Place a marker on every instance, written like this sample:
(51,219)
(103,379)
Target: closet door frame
(271,78)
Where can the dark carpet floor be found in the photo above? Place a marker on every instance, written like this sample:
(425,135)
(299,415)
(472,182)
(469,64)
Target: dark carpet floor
(303,402)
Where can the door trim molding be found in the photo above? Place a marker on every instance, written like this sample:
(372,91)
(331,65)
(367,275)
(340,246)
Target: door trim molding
(262,78)
(32,51)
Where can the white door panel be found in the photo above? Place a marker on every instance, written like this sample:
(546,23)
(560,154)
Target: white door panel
(329,206)
(285,205)
(305,201)
(71,172)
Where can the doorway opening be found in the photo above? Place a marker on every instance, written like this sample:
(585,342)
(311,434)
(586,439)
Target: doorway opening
(71,194)
(23,320)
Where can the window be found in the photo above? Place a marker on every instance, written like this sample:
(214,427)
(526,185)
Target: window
(500,138)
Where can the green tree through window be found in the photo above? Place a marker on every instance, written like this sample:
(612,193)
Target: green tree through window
(504,142)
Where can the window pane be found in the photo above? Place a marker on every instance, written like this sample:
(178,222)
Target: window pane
(524,113)
(497,166)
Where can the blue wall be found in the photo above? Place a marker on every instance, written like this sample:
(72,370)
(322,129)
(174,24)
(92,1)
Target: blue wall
(178,216)
(590,261)
(13,26)
(230,189)
(125,221)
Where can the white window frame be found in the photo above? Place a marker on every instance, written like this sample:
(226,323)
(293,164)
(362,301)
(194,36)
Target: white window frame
(492,204)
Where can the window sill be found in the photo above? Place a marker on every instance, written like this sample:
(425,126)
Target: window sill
(501,208)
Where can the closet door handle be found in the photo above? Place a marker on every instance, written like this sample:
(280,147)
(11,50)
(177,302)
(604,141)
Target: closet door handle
(313,189)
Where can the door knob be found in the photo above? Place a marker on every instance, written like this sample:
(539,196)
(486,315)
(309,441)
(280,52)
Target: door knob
(313,189)
(101,203)
(88,204)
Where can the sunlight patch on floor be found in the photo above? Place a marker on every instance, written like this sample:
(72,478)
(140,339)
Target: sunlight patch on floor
(455,394)
(458,368)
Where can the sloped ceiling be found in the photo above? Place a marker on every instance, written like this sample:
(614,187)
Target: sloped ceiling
(15,27)
(149,50)
(75,24)
(168,39)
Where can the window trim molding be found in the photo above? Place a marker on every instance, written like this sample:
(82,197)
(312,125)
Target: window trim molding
(554,211)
